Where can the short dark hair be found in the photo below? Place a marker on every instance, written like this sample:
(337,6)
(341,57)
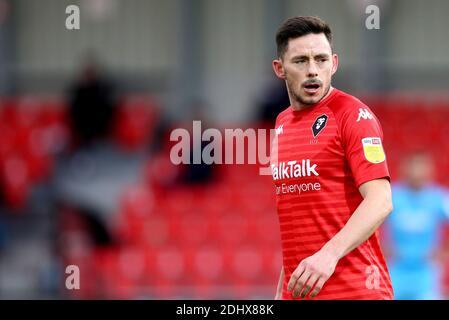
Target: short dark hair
(296,27)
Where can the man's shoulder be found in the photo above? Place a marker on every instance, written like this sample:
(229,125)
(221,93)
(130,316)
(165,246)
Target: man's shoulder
(344,102)
(283,114)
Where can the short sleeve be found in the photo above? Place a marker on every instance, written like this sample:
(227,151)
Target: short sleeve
(362,140)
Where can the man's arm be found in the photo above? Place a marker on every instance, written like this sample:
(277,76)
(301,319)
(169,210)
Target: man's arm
(368,216)
(280,284)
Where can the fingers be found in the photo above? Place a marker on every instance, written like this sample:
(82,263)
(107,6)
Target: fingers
(309,285)
(306,282)
(295,276)
(308,279)
(300,283)
(319,285)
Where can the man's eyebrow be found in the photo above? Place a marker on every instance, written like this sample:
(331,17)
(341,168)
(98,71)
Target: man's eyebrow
(301,56)
(321,56)
(306,57)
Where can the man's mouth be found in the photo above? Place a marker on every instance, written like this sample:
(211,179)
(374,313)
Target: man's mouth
(311,88)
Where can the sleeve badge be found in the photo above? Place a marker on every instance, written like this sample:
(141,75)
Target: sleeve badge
(373,150)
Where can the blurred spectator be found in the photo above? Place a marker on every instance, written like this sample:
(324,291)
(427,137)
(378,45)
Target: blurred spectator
(92,105)
(162,172)
(414,230)
(272,103)
(194,173)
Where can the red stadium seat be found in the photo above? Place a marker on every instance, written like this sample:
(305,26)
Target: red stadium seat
(153,231)
(180,201)
(132,267)
(160,173)
(15,182)
(7,143)
(37,154)
(247,264)
(122,272)
(246,270)
(265,230)
(271,264)
(137,202)
(135,122)
(206,269)
(172,272)
(230,228)
(208,264)
(191,230)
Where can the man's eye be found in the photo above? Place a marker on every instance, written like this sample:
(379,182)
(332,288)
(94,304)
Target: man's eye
(300,61)
(322,60)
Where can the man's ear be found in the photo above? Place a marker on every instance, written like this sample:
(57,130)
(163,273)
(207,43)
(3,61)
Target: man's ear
(334,63)
(278,68)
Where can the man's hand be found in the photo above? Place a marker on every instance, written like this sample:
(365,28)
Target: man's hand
(314,270)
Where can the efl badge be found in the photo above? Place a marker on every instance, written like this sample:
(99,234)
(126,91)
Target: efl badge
(372,148)
(319,125)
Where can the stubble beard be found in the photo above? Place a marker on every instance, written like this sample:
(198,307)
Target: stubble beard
(297,97)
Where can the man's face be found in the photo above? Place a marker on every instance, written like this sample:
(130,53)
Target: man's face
(419,170)
(307,67)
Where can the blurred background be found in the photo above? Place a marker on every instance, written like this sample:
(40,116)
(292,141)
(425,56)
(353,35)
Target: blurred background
(85,119)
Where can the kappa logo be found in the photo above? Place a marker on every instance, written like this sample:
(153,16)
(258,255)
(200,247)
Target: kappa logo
(279,129)
(319,125)
(364,114)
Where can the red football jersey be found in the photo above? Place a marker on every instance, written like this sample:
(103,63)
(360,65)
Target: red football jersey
(321,156)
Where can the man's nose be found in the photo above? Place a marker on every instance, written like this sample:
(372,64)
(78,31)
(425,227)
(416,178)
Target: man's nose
(312,70)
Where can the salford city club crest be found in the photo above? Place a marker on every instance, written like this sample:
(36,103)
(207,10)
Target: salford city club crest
(319,125)
(373,150)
